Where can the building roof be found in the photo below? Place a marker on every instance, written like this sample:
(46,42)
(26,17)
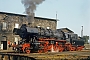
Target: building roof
(26,15)
(68,30)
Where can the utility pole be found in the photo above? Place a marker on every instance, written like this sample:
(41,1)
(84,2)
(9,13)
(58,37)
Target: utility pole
(82,32)
(56,15)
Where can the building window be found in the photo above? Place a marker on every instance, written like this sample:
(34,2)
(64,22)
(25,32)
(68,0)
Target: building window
(66,36)
(16,40)
(4,26)
(16,25)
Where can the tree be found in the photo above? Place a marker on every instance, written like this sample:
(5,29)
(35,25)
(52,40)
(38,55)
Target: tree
(86,38)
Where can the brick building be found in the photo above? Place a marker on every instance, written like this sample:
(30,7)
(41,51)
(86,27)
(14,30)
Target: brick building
(9,20)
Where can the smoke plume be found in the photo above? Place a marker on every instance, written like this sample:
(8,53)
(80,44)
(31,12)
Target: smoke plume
(30,7)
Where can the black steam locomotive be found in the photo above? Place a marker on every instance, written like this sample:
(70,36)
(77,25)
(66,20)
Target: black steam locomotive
(31,35)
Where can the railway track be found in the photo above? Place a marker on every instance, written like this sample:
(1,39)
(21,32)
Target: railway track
(85,54)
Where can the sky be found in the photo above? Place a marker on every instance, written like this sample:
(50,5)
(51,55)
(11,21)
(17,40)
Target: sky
(71,13)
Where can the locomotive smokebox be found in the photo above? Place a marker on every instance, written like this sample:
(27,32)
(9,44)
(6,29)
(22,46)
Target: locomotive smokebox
(30,18)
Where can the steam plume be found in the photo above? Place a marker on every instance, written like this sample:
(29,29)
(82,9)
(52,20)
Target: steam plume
(30,7)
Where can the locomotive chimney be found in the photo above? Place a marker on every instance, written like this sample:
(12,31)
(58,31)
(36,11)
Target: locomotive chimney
(82,32)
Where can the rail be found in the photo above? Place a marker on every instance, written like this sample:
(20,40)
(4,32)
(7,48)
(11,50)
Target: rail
(81,55)
(11,56)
